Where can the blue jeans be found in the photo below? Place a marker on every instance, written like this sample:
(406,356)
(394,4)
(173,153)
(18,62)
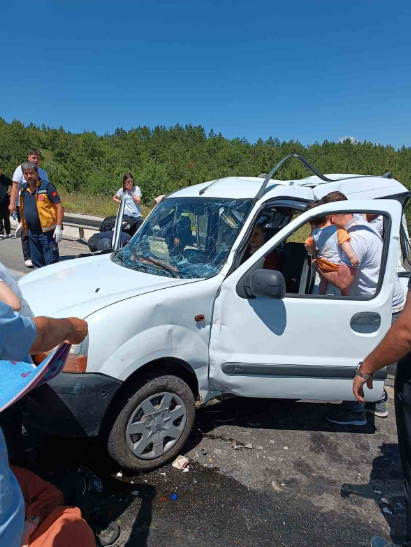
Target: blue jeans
(43,248)
(356,406)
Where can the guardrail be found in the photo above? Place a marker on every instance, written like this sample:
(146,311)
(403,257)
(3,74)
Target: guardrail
(82,222)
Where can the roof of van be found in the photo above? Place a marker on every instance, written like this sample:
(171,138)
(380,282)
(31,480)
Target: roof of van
(353,186)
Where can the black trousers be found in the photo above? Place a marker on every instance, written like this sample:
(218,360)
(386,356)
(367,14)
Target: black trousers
(4,216)
(403,417)
(25,242)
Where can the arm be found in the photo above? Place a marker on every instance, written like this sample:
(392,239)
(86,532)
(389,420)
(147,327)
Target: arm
(51,332)
(346,247)
(395,345)
(136,199)
(343,278)
(8,297)
(13,196)
(115,198)
(59,212)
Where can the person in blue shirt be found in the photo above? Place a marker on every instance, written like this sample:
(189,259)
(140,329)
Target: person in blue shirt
(18,336)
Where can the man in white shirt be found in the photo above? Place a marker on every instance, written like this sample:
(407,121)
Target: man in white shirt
(368,246)
(34,156)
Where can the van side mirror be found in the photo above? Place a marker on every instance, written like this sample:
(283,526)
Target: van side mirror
(265,284)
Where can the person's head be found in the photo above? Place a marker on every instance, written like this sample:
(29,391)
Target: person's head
(340,219)
(34,156)
(257,238)
(30,172)
(334,196)
(320,220)
(128,181)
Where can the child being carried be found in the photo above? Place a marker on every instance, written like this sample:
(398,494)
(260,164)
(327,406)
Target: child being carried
(326,243)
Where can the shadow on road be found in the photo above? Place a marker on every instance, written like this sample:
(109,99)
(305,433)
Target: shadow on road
(385,470)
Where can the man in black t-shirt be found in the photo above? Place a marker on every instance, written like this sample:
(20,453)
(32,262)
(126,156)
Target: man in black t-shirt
(396,346)
(5,184)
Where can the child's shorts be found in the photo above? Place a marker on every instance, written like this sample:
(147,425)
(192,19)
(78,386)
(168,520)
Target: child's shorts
(326,265)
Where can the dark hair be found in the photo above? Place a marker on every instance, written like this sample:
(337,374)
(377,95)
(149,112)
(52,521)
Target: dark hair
(127,176)
(334,196)
(318,220)
(34,152)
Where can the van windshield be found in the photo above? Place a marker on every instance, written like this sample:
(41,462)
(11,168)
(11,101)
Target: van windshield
(188,238)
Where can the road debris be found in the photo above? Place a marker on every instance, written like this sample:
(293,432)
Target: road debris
(249,446)
(135,492)
(386,510)
(384,500)
(259,447)
(378,491)
(180,462)
(237,446)
(119,474)
(254,424)
(203,452)
(186,470)
(285,447)
(174,496)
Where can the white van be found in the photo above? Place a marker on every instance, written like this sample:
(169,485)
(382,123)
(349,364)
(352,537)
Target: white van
(178,317)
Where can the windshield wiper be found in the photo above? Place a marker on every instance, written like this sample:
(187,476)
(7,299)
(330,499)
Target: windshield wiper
(160,264)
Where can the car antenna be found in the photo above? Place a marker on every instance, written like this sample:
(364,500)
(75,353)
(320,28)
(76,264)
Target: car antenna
(261,191)
(387,175)
(201,192)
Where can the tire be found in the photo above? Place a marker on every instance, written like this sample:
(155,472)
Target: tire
(153,424)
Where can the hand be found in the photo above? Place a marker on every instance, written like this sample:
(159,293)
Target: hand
(12,208)
(176,242)
(79,330)
(58,234)
(355,262)
(358,387)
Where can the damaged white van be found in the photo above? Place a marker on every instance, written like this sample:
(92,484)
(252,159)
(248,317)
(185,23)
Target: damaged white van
(178,316)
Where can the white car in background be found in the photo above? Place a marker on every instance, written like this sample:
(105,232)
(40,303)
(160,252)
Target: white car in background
(175,318)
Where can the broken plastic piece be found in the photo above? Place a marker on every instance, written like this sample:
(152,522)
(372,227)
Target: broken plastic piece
(249,446)
(135,492)
(386,510)
(203,452)
(119,474)
(174,496)
(180,462)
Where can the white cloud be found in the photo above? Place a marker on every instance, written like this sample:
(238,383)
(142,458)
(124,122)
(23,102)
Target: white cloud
(352,139)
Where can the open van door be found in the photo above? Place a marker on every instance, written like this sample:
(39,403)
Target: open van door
(304,345)
(116,241)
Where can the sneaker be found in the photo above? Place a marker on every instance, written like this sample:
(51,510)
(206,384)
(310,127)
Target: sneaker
(378,541)
(379,408)
(347,417)
(28,263)
(7,236)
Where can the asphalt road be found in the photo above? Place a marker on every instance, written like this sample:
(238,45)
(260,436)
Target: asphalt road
(12,256)
(304,482)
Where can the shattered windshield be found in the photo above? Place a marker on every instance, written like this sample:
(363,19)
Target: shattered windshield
(188,238)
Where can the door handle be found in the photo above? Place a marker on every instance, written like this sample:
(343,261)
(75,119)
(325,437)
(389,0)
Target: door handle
(365,322)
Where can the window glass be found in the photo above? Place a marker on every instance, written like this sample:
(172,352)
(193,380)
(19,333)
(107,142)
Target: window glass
(188,238)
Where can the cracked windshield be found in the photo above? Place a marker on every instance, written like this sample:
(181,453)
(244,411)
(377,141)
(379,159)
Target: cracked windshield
(188,238)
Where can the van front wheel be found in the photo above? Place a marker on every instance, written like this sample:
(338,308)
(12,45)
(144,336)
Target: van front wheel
(153,425)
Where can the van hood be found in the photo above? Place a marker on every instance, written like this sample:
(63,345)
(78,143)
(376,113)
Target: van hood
(80,287)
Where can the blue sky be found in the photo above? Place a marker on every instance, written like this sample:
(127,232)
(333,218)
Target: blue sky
(304,70)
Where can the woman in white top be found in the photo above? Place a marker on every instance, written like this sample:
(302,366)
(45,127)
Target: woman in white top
(132,211)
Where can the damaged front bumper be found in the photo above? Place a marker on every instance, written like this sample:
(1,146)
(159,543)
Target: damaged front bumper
(72,405)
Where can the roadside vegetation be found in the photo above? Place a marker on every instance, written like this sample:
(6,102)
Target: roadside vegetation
(88,168)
